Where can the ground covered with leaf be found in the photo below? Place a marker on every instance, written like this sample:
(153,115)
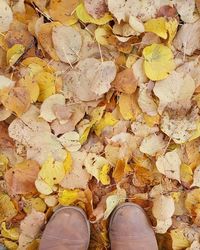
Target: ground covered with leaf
(100,104)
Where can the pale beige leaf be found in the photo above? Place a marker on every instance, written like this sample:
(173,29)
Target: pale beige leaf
(169,165)
(187,38)
(177,87)
(186,9)
(5,82)
(71,141)
(67,43)
(78,177)
(47,107)
(6,16)
(153,144)
(196,177)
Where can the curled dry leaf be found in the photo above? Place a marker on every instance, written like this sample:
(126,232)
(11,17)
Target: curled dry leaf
(48,107)
(90,79)
(163,209)
(187,39)
(169,165)
(78,177)
(125,82)
(6,16)
(21,178)
(67,42)
(177,87)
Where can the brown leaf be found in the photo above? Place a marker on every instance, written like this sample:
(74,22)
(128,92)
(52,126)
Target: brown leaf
(21,178)
(5,140)
(125,82)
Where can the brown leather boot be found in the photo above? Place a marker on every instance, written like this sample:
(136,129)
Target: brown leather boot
(130,229)
(68,229)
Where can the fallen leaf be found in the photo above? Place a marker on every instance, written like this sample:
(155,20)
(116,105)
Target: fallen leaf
(153,144)
(86,18)
(11,233)
(87,84)
(113,200)
(6,16)
(126,106)
(196,178)
(103,176)
(169,165)
(52,172)
(119,170)
(187,38)
(6,82)
(71,141)
(186,10)
(62,11)
(157,26)
(78,176)
(179,241)
(94,164)
(30,228)
(67,42)
(96,8)
(7,208)
(158,62)
(16,100)
(163,209)
(21,178)
(68,197)
(14,53)
(125,82)
(48,107)
(176,88)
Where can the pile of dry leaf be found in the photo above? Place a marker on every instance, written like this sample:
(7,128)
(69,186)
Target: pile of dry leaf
(100,104)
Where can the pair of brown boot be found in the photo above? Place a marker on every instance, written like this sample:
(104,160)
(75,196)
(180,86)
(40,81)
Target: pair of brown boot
(129,229)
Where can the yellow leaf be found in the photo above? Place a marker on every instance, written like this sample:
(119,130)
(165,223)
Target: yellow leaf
(186,174)
(179,241)
(97,114)
(52,172)
(158,62)
(7,208)
(171,26)
(85,134)
(151,120)
(46,83)
(12,233)
(102,33)
(125,106)
(14,53)
(157,26)
(62,11)
(10,244)
(3,164)
(192,200)
(103,176)
(196,133)
(35,64)
(86,18)
(68,163)
(31,86)
(38,204)
(107,120)
(68,197)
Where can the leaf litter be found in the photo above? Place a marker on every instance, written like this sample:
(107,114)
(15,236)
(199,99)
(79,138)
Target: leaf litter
(99,104)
